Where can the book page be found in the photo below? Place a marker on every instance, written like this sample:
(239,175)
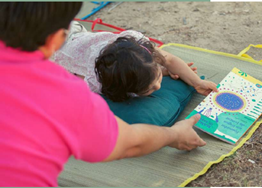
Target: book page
(229,113)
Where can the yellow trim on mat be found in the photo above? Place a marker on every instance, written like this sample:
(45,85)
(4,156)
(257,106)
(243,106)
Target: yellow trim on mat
(243,52)
(241,143)
(252,130)
(213,52)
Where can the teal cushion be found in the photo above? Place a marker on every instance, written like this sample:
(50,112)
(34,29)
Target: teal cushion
(160,108)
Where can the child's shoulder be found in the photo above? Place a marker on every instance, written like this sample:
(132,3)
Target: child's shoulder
(136,34)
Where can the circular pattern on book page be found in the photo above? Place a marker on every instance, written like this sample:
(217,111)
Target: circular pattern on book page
(229,101)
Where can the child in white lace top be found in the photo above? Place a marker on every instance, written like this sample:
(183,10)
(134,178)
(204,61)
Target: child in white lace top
(121,65)
(81,49)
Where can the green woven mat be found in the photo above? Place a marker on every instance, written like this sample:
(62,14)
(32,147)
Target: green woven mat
(167,167)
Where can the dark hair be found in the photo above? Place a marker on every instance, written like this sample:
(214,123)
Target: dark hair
(125,67)
(26,25)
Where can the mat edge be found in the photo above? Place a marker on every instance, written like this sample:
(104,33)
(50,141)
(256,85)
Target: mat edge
(222,157)
(213,52)
(243,141)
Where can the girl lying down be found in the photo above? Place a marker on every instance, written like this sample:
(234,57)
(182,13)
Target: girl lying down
(123,65)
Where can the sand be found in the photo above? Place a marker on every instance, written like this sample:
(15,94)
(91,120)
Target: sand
(226,27)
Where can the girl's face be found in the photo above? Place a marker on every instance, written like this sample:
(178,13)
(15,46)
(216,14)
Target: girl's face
(156,85)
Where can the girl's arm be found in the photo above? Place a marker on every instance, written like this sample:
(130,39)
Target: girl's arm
(177,66)
(165,72)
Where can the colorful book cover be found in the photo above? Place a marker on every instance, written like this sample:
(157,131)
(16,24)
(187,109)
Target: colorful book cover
(229,113)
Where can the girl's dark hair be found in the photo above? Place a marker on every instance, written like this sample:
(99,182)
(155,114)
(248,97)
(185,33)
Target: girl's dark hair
(26,25)
(125,67)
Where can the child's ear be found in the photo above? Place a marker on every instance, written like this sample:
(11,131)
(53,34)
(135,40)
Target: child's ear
(53,43)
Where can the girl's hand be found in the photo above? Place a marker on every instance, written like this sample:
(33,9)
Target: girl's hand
(175,76)
(205,87)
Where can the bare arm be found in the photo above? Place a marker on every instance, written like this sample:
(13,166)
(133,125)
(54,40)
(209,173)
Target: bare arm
(177,66)
(141,139)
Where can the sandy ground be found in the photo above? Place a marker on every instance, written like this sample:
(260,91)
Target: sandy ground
(226,27)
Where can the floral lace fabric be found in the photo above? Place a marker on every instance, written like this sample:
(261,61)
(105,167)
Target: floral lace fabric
(82,48)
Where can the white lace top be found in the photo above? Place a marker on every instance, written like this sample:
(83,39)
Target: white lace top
(82,48)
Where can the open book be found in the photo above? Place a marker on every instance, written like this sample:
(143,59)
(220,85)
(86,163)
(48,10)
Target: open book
(229,113)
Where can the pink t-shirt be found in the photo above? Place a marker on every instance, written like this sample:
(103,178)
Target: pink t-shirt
(47,115)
